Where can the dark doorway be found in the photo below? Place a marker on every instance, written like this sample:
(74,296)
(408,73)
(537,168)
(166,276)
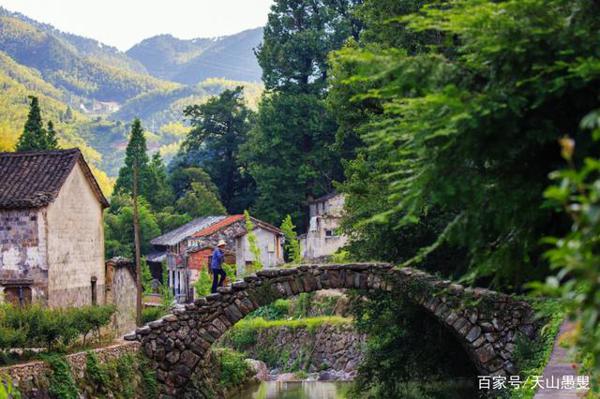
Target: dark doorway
(18,295)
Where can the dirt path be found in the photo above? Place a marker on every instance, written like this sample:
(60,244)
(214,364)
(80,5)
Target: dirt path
(559,365)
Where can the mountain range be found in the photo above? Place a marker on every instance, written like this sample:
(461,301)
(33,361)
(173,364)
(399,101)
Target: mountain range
(92,91)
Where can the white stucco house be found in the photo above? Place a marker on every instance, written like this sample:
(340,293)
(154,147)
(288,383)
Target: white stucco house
(51,229)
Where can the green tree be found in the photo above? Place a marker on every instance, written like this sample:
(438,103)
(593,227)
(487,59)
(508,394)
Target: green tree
(219,128)
(119,227)
(135,154)
(200,201)
(51,140)
(575,256)
(292,245)
(469,127)
(290,151)
(297,39)
(35,137)
(162,193)
(181,179)
(290,155)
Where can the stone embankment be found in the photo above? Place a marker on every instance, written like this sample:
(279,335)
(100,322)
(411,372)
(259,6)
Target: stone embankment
(31,377)
(331,350)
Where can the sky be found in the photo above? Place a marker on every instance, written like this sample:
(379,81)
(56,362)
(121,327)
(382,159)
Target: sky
(123,23)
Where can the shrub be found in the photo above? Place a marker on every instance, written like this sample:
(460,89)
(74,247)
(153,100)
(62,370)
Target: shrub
(234,368)
(7,389)
(152,313)
(53,329)
(61,383)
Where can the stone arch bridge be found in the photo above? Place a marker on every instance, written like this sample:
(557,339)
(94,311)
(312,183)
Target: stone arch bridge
(485,322)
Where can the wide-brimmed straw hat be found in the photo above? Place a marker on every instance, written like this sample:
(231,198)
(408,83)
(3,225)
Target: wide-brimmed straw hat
(221,243)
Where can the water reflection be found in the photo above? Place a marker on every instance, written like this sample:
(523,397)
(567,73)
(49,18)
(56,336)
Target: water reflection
(295,390)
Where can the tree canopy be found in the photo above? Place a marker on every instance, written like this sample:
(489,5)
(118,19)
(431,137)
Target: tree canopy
(219,128)
(35,137)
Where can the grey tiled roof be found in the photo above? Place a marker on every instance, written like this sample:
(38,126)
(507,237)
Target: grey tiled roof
(181,233)
(33,179)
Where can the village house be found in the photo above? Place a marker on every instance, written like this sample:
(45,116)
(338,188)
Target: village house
(323,238)
(188,249)
(51,229)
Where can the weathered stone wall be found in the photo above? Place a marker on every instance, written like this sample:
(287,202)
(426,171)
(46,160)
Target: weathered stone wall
(75,244)
(23,253)
(486,323)
(328,347)
(121,291)
(31,377)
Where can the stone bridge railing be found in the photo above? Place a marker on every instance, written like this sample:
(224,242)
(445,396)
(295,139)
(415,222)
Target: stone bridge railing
(485,322)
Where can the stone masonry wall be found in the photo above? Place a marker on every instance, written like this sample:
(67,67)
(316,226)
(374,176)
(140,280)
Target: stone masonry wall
(30,378)
(328,347)
(23,253)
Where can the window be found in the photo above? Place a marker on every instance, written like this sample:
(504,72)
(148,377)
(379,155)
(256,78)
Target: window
(331,233)
(94,292)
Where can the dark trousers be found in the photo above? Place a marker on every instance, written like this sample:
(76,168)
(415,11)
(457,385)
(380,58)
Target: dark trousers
(218,279)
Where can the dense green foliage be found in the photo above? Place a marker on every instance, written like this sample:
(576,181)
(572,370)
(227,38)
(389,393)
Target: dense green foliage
(219,128)
(61,382)
(54,329)
(392,366)
(125,377)
(575,256)
(136,158)
(290,151)
(476,110)
(233,367)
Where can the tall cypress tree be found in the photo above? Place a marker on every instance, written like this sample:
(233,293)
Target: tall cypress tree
(135,154)
(51,141)
(34,135)
(290,152)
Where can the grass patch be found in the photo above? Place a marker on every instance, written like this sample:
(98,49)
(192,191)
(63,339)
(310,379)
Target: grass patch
(310,323)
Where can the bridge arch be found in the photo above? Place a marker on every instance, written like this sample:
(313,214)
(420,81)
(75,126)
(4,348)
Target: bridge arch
(486,323)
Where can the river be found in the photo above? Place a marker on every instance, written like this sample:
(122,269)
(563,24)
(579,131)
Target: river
(295,390)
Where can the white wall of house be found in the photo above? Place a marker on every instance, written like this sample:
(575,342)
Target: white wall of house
(270,245)
(75,244)
(323,238)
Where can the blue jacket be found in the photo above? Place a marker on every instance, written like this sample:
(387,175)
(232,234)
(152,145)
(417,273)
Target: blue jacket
(217,259)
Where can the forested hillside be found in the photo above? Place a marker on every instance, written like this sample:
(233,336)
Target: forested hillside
(192,61)
(92,91)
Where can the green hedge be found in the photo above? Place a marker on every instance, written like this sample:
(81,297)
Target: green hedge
(39,327)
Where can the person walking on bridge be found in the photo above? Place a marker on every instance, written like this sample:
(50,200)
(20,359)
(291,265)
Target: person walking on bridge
(216,266)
